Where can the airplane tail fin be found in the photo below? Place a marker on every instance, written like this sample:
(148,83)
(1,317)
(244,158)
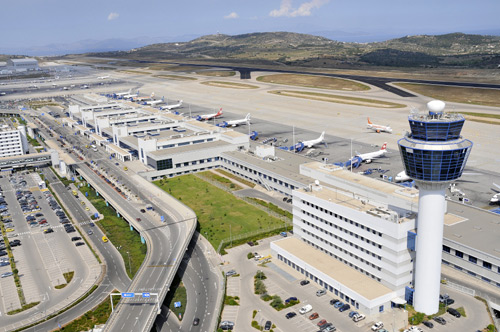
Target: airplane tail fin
(322,136)
(247,117)
(163,98)
(152,94)
(220,111)
(384,147)
(369,122)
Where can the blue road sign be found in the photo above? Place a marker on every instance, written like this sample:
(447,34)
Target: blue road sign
(128,294)
(146,295)
(162,218)
(177,304)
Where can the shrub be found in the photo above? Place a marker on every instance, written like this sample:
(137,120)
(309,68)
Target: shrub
(250,255)
(266,297)
(254,313)
(260,275)
(260,288)
(277,302)
(417,318)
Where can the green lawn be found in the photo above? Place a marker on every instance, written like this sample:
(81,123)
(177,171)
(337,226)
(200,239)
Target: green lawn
(217,210)
(177,294)
(118,232)
(99,315)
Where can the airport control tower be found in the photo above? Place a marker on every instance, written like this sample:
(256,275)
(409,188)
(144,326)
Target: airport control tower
(434,154)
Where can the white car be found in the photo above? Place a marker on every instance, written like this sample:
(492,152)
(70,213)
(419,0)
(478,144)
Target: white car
(377,326)
(305,309)
(358,317)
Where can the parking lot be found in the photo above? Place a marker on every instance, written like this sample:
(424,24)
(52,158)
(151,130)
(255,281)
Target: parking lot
(45,250)
(287,283)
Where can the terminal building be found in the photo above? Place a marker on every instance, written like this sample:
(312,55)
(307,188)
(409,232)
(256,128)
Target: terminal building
(353,235)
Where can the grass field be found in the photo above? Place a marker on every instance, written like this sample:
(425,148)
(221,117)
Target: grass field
(217,73)
(99,315)
(118,232)
(475,96)
(336,99)
(221,179)
(230,85)
(219,213)
(237,178)
(177,294)
(312,81)
(177,77)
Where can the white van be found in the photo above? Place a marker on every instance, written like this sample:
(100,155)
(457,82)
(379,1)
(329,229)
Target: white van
(305,309)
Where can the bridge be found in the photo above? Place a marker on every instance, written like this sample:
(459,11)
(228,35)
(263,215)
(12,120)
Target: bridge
(167,243)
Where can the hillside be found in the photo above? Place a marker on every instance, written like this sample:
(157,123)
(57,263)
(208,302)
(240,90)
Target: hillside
(455,50)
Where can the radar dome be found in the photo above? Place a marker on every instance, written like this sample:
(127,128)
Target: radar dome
(436,106)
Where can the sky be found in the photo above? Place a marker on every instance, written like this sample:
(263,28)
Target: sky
(30,23)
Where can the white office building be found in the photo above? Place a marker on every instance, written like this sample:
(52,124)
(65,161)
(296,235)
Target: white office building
(352,243)
(13,142)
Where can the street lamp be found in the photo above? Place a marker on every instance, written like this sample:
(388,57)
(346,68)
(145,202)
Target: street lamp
(129,266)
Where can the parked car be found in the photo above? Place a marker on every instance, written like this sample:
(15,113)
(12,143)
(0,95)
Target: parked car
(7,274)
(314,316)
(230,273)
(334,301)
(322,322)
(428,324)
(48,230)
(268,325)
(321,292)
(454,312)
(358,317)
(79,244)
(448,302)
(305,309)
(377,326)
(75,238)
(440,320)
(290,299)
(304,282)
(338,304)
(291,314)
(330,328)
(344,307)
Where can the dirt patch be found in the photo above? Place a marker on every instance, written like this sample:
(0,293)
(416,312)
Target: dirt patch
(177,77)
(230,85)
(313,81)
(337,99)
(217,73)
(472,96)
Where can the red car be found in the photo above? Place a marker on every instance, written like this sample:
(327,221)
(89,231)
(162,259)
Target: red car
(314,316)
(322,322)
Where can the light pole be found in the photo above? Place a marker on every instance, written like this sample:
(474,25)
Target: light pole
(129,266)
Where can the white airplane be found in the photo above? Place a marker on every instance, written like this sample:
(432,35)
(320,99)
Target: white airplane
(209,116)
(131,95)
(313,142)
(172,106)
(401,177)
(103,77)
(143,98)
(378,128)
(496,197)
(234,123)
(367,157)
(119,94)
(154,102)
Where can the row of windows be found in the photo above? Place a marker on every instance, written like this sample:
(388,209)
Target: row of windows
(363,227)
(311,276)
(340,258)
(196,162)
(472,259)
(472,273)
(263,175)
(185,143)
(343,230)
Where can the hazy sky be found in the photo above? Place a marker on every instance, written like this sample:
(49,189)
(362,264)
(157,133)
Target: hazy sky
(40,22)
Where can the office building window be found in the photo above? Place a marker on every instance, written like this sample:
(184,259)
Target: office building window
(459,254)
(446,248)
(472,259)
(487,265)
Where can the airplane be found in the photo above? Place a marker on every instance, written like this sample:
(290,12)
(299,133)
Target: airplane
(378,128)
(209,116)
(367,157)
(234,123)
(171,107)
(143,98)
(131,95)
(401,177)
(120,94)
(103,77)
(154,102)
(313,142)
(496,197)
